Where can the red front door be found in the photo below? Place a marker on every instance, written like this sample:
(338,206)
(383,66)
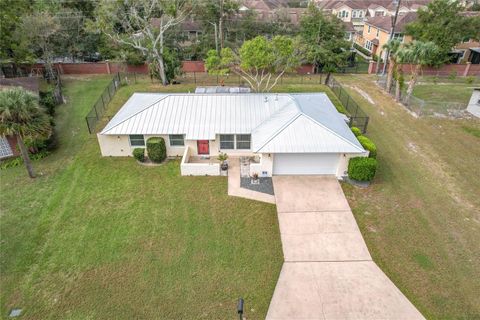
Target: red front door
(203,147)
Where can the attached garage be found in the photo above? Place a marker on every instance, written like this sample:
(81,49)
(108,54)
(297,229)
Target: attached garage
(305,163)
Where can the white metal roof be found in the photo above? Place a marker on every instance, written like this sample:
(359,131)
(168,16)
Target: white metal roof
(277,122)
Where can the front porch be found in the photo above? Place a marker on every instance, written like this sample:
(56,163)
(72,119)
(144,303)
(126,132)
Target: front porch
(199,165)
(235,184)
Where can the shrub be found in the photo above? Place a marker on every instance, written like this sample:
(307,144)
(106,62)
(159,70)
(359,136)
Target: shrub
(47,100)
(156,150)
(139,154)
(362,168)
(470,80)
(367,144)
(14,162)
(357,132)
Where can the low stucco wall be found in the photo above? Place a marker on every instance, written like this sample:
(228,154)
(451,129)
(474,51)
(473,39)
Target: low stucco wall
(197,169)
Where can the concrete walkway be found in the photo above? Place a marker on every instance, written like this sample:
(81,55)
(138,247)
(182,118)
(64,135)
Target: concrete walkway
(328,272)
(234,188)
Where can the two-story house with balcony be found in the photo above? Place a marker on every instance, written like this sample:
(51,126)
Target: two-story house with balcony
(377,30)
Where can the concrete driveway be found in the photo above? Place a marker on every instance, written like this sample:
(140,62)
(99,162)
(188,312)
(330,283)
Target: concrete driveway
(328,272)
(316,223)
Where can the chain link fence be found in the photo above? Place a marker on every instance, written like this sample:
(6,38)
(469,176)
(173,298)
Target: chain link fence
(423,107)
(358,117)
(98,109)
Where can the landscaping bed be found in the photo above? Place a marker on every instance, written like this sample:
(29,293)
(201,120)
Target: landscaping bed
(265,185)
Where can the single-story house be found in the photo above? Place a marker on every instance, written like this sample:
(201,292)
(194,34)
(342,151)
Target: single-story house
(286,134)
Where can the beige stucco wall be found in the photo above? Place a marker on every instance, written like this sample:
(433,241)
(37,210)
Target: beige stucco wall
(119,146)
(343,163)
(115,146)
(265,165)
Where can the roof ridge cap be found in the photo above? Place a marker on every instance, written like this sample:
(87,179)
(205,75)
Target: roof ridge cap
(331,131)
(276,133)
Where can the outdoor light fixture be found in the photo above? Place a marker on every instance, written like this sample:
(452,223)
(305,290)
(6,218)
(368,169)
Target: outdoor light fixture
(240,308)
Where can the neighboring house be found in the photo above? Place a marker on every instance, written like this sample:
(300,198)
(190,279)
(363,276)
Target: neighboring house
(8,147)
(358,11)
(349,31)
(272,10)
(287,134)
(474,104)
(467,51)
(377,30)
(348,11)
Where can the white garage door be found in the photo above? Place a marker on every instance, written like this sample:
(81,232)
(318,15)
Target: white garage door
(305,163)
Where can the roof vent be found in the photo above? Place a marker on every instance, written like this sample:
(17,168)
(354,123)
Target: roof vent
(265,99)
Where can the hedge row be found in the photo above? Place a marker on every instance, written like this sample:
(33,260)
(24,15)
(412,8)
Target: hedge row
(368,145)
(362,168)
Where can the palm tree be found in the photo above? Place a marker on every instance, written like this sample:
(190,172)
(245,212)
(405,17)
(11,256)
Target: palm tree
(418,54)
(392,47)
(22,117)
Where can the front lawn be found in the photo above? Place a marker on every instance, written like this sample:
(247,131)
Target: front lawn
(421,217)
(105,238)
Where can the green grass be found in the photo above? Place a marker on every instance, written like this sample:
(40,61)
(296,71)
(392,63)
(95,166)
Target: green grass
(441,93)
(470,80)
(420,217)
(473,131)
(105,238)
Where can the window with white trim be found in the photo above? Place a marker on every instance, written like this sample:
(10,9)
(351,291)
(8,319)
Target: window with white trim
(354,13)
(227,141)
(176,140)
(243,141)
(5,150)
(369,45)
(360,13)
(137,140)
(369,29)
(398,36)
(342,14)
